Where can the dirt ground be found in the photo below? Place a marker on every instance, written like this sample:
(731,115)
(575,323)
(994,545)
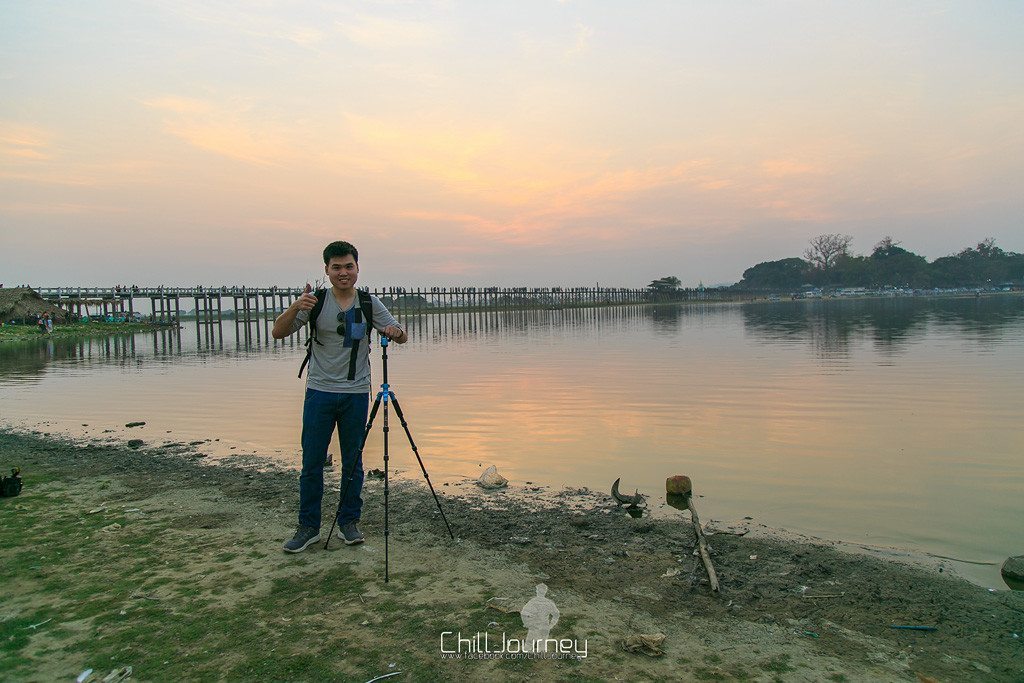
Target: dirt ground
(156,559)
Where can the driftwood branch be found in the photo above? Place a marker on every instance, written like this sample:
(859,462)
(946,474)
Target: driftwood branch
(702,544)
(679,494)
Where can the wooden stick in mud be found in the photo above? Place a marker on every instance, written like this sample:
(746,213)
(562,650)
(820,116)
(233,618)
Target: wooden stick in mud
(702,544)
(679,490)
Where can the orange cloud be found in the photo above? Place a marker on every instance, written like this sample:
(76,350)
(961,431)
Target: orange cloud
(522,190)
(445,154)
(51,208)
(231,140)
(179,105)
(265,27)
(222,130)
(715,184)
(513,230)
(31,155)
(456,267)
(24,142)
(384,33)
(776,168)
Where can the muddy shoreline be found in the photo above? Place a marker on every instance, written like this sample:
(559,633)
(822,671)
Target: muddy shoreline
(789,608)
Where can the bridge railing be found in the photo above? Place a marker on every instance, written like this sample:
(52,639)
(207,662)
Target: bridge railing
(255,303)
(431,295)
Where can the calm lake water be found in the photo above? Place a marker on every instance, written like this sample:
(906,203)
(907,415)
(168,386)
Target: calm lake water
(889,422)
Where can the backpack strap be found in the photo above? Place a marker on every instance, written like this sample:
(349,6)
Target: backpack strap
(364,312)
(366,303)
(321,294)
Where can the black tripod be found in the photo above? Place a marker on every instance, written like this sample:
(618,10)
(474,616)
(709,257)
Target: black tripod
(383,396)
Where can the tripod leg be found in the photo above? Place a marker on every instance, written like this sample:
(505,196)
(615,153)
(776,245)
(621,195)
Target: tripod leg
(405,426)
(355,465)
(386,394)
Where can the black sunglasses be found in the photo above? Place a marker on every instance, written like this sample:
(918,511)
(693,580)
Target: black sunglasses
(341,327)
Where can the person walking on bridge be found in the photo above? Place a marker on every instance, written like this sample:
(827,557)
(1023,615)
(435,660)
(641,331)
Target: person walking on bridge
(340,319)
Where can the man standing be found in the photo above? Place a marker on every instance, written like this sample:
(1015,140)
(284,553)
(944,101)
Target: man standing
(337,387)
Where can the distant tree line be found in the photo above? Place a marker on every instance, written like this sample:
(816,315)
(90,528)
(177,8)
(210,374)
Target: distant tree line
(827,262)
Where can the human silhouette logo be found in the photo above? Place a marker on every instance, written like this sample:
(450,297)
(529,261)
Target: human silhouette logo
(539,616)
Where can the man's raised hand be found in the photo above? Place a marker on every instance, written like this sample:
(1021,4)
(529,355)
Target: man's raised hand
(307,300)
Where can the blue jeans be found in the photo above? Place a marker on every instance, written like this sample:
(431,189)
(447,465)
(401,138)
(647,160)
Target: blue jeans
(321,411)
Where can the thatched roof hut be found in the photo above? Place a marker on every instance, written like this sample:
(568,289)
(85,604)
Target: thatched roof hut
(22,305)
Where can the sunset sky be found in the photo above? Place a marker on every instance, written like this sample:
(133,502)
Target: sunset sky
(508,143)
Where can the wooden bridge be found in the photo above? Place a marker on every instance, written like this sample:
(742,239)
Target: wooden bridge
(259,303)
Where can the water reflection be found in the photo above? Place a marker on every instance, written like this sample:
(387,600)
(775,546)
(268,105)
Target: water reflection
(213,338)
(21,361)
(983,318)
(831,327)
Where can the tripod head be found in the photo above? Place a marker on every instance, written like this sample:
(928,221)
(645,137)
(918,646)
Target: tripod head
(384,341)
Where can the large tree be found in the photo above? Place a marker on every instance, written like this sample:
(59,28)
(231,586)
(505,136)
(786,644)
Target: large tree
(787,274)
(984,264)
(824,251)
(891,264)
(666,284)
(848,271)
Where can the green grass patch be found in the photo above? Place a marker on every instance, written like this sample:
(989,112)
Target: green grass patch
(76,330)
(144,595)
(779,664)
(15,634)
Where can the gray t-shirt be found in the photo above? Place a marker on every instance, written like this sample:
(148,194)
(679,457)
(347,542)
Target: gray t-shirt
(328,366)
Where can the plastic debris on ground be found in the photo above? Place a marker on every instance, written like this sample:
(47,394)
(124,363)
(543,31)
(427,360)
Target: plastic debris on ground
(490,479)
